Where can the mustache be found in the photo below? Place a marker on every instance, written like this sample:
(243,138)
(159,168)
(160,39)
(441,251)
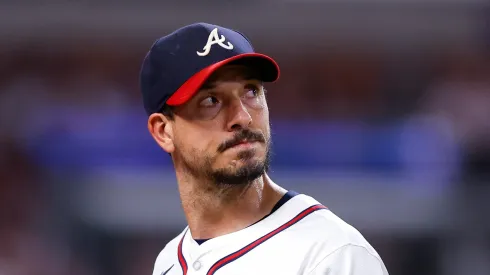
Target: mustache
(238,137)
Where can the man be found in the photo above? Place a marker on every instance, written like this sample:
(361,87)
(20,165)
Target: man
(203,91)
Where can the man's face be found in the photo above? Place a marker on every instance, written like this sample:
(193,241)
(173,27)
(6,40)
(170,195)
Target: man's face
(222,134)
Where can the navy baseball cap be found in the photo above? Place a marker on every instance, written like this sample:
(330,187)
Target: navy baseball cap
(178,64)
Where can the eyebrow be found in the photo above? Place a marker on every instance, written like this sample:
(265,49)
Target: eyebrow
(208,85)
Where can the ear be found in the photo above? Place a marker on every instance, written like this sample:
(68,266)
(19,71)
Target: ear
(161,130)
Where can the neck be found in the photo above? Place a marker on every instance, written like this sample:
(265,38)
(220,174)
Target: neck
(212,211)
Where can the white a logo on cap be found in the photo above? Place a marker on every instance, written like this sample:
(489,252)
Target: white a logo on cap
(213,39)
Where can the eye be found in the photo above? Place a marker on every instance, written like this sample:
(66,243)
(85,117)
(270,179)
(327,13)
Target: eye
(209,101)
(252,91)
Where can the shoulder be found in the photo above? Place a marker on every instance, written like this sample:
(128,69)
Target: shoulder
(333,240)
(326,226)
(168,256)
(335,231)
(349,259)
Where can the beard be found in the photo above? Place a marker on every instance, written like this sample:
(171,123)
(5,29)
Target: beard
(200,164)
(245,174)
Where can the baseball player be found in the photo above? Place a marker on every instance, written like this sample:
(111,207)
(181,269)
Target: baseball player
(203,91)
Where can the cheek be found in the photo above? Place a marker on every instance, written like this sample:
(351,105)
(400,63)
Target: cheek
(193,139)
(261,119)
(263,112)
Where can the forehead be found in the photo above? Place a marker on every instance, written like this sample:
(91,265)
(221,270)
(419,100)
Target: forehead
(231,73)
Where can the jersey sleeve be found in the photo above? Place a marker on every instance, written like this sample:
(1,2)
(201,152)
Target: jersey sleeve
(350,260)
(157,267)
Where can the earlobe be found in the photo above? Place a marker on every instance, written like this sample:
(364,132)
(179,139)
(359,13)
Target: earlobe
(160,129)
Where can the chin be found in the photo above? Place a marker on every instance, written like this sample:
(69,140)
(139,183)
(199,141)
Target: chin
(242,175)
(242,167)
(241,171)
(246,159)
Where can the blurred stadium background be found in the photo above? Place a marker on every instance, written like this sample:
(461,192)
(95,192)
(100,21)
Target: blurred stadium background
(382,113)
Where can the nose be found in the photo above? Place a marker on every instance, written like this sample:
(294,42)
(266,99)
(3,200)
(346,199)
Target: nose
(239,116)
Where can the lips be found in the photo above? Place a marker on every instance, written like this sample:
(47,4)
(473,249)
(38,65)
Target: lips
(242,138)
(243,142)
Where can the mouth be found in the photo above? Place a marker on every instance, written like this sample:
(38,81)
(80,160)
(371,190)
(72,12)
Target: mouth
(243,144)
(241,140)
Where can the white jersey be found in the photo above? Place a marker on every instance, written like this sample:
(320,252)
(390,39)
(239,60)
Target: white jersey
(301,237)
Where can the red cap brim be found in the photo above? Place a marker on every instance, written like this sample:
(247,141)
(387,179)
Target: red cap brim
(268,70)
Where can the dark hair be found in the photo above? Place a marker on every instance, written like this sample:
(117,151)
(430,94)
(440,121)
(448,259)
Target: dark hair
(168,111)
